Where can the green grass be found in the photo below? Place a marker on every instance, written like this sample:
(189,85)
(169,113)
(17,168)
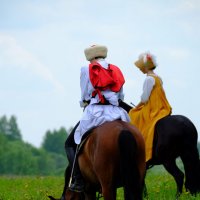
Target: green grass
(160,186)
(30,188)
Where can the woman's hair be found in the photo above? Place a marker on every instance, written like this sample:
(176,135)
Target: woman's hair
(153,68)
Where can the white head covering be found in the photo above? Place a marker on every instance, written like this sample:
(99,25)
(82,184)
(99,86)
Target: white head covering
(146,60)
(95,51)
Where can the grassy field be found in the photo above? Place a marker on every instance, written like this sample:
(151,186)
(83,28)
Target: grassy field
(160,186)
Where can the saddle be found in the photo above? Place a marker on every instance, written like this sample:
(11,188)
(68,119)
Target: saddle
(84,139)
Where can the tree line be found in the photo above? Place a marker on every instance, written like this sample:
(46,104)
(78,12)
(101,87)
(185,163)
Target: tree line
(21,158)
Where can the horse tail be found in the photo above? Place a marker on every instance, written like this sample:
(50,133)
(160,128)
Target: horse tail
(190,158)
(130,174)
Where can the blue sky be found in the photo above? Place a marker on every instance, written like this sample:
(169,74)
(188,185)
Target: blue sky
(41,52)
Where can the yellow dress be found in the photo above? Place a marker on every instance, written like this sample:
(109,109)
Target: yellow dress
(146,116)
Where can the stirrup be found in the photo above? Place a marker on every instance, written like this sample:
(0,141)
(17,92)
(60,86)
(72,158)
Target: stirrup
(76,187)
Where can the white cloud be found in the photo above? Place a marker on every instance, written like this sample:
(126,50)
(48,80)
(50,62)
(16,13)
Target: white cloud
(179,54)
(14,55)
(191,5)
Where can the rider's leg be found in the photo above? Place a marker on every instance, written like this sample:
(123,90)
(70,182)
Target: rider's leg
(77,183)
(70,146)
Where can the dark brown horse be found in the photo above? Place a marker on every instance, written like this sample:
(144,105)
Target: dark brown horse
(113,156)
(176,136)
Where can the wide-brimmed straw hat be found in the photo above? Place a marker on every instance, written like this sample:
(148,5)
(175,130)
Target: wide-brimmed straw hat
(95,51)
(146,60)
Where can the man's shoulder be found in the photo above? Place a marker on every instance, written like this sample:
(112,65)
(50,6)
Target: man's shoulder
(84,69)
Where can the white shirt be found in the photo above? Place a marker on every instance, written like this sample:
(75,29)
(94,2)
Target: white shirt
(147,88)
(87,88)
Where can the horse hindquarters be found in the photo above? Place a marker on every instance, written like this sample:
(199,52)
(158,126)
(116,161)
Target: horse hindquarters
(130,174)
(192,171)
(175,136)
(190,158)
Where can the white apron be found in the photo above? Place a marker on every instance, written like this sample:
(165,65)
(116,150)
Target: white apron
(95,115)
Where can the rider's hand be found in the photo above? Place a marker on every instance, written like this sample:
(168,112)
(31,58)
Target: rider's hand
(84,103)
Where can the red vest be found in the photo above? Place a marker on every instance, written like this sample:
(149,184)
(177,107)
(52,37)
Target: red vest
(103,79)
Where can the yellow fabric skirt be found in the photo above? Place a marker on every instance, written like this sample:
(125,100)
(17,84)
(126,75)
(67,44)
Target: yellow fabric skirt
(146,116)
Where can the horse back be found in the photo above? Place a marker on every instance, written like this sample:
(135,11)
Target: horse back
(175,126)
(173,133)
(101,151)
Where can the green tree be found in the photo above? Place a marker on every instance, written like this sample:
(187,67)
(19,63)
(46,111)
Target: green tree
(4,125)
(17,159)
(13,130)
(3,148)
(54,141)
(20,158)
(46,164)
(10,128)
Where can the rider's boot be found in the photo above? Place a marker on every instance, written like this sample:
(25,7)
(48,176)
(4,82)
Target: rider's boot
(77,183)
(70,151)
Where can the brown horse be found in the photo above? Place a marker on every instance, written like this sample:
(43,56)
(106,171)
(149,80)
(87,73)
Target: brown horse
(113,156)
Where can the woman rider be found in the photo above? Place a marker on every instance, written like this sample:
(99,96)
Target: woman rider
(153,105)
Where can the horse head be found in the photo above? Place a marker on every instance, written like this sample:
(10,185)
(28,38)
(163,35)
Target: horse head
(70,195)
